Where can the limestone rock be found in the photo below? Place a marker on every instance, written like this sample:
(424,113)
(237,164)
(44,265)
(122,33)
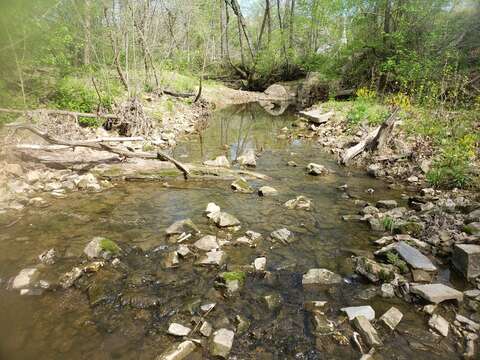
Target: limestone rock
(283,235)
(299,203)
(260,263)
(223,219)
(354,311)
(436,293)
(176,329)
(178,351)
(25,278)
(386,204)
(206,329)
(219,161)
(207,243)
(316,169)
(101,247)
(439,323)
(213,258)
(466,258)
(374,271)
(241,185)
(413,257)
(182,226)
(321,277)
(366,329)
(387,290)
(267,191)
(392,317)
(222,343)
(247,158)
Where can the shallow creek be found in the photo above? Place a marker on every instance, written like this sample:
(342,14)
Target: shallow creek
(63,324)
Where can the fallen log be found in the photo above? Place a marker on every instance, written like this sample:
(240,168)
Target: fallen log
(374,140)
(101,146)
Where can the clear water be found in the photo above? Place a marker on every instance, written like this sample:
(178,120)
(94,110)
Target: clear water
(62,324)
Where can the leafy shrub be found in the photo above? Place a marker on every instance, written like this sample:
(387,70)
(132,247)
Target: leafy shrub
(368,111)
(366,94)
(90,122)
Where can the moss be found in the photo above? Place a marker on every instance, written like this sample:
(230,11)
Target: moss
(109,246)
(393,259)
(234,275)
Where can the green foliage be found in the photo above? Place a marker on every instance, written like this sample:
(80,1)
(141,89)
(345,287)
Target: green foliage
(388,223)
(234,275)
(365,110)
(90,122)
(109,246)
(395,260)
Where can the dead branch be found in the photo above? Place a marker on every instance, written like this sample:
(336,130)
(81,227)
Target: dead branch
(102,146)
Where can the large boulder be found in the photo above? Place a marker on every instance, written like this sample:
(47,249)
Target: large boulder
(321,277)
(219,161)
(101,247)
(437,293)
(466,258)
(312,90)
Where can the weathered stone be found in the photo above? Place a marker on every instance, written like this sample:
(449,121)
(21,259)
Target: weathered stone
(260,263)
(183,250)
(387,290)
(176,329)
(369,210)
(368,332)
(219,161)
(374,271)
(413,257)
(207,243)
(354,311)
(171,260)
(299,203)
(469,324)
(322,324)
(222,343)
(472,293)
(316,169)
(436,293)
(212,208)
(282,235)
(273,301)
(386,204)
(472,229)
(392,318)
(13,169)
(317,116)
(412,228)
(48,257)
(247,158)
(439,323)
(178,351)
(213,258)
(207,307)
(206,329)
(241,185)
(374,170)
(101,247)
(25,278)
(87,182)
(466,258)
(267,191)
(223,219)
(182,226)
(69,278)
(321,277)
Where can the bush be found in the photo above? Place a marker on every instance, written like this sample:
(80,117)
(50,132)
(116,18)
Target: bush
(368,111)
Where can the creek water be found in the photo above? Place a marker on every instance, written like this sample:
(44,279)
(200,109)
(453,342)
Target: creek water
(78,323)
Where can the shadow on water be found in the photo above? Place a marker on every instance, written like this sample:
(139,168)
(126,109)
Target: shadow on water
(124,314)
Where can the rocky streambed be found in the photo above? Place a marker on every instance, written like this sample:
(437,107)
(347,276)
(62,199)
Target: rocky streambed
(318,262)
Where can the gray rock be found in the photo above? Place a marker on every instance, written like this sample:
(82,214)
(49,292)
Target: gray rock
(474,216)
(69,278)
(241,185)
(299,203)
(207,243)
(176,329)
(48,257)
(25,278)
(223,219)
(248,158)
(466,258)
(413,257)
(206,329)
(267,191)
(182,226)
(392,318)
(316,169)
(386,204)
(368,332)
(374,170)
(101,247)
(470,324)
(321,277)
(421,276)
(472,293)
(222,343)
(178,351)
(439,323)
(429,309)
(472,229)
(183,250)
(387,290)
(283,235)
(354,311)
(213,258)
(207,307)
(436,293)
(219,161)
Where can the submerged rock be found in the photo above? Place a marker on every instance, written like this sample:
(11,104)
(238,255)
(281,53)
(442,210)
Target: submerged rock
(223,219)
(48,257)
(182,226)
(354,311)
(466,258)
(321,277)
(267,191)
(299,203)
(316,169)
(207,243)
(222,343)
(373,271)
(25,278)
(219,161)
(283,235)
(368,332)
(213,258)
(241,185)
(437,293)
(439,323)
(101,247)
(178,351)
(69,278)
(176,329)
(247,158)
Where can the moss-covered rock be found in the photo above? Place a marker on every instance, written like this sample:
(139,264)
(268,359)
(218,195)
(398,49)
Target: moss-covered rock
(101,247)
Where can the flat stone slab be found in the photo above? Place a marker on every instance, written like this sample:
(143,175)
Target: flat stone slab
(414,258)
(437,293)
(466,258)
(354,311)
(317,116)
(368,332)
(392,317)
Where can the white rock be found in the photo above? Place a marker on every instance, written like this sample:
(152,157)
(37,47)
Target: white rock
(178,351)
(438,323)
(222,342)
(354,311)
(213,258)
(220,161)
(206,329)
(267,191)
(178,330)
(387,290)
(260,263)
(207,243)
(25,278)
(392,317)
(247,158)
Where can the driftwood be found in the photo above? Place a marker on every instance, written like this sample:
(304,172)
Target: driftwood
(374,140)
(102,146)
